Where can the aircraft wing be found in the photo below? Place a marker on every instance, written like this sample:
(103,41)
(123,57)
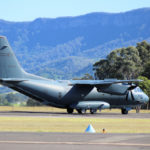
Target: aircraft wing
(101,82)
(110,86)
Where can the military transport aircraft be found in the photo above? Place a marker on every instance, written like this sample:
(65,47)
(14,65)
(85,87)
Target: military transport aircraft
(69,94)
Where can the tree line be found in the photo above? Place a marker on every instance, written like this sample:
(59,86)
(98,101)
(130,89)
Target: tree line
(125,63)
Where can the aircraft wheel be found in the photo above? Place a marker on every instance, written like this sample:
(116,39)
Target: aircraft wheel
(124,111)
(93,111)
(69,110)
(81,111)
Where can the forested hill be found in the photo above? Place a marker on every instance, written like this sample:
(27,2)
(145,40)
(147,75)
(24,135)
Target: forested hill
(62,47)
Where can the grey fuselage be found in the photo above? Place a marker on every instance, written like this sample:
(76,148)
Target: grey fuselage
(59,93)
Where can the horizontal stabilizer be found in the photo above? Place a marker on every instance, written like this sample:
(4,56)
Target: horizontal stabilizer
(12,80)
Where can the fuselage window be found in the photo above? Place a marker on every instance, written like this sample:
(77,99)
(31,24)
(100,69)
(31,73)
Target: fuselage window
(138,90)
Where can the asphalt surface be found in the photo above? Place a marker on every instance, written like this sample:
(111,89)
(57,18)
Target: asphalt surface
(75,115)
(73,141)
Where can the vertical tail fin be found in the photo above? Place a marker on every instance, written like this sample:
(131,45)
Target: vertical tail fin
(9,66)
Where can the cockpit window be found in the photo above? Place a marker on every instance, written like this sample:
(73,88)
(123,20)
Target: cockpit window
(137,89)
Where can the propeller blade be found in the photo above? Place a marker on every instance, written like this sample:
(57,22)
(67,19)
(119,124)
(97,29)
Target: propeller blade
(132,96)
(127,95)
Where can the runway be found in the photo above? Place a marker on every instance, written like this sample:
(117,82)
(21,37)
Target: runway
(75,115)
(73,141)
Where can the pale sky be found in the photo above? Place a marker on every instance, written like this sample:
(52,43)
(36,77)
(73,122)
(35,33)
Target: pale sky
(27,10)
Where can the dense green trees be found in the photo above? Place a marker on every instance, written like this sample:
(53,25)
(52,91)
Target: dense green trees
(16,99)
(12,99)
(146,69)
(144,52)
(122,63)
(32,102)
(145,85)
(86,76)
(125,63)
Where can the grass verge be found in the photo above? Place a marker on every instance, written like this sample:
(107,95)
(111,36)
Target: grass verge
(46,124)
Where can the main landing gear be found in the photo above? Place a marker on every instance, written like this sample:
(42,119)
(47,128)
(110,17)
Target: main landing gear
(81,111)
(69,110)
(124,111)
(93,111)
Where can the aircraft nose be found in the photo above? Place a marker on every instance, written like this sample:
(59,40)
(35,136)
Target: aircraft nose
(146,98)
(143,98)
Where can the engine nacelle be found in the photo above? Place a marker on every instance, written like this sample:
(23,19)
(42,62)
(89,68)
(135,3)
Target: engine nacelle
(118,89)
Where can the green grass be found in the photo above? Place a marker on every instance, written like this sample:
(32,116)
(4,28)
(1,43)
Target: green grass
(47,124)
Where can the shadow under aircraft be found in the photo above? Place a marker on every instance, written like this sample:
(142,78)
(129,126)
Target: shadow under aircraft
(81,95)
